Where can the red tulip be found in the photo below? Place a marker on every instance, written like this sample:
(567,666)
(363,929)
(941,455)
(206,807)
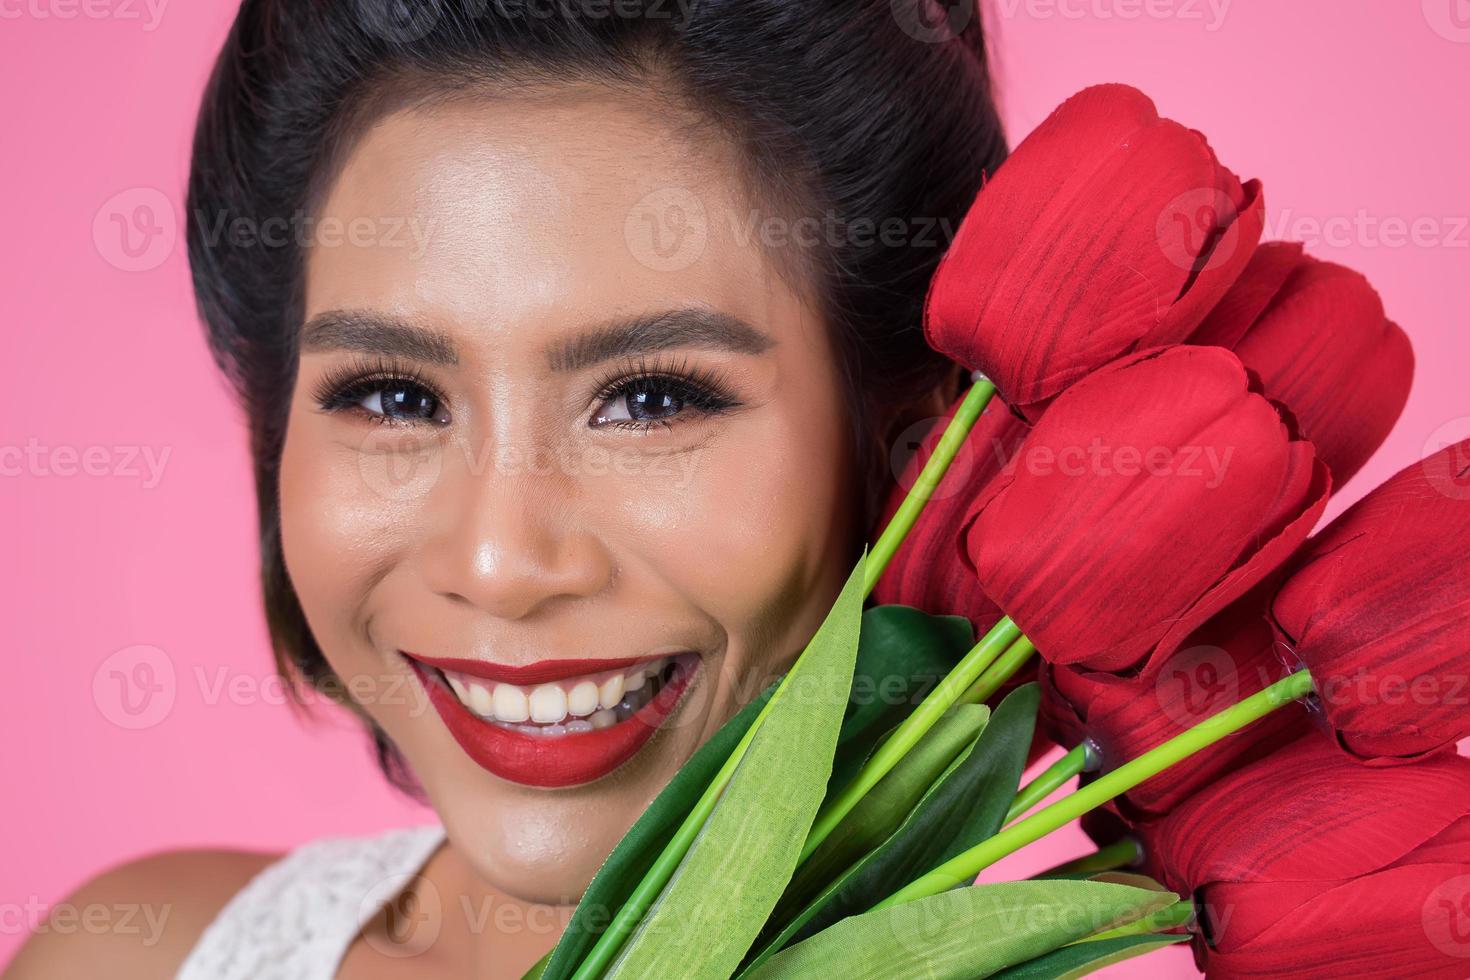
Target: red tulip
(1148,497)
(1108,230)
(1229,658)
(1308,864)
(1378,608)
(926,571)
(1316,334)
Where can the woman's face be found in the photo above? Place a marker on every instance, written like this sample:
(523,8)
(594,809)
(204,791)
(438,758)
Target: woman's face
(566,479)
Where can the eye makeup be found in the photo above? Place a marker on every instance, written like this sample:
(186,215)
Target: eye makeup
(637,396)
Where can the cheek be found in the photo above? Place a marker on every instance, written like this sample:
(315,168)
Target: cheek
(758,510)
(340,525)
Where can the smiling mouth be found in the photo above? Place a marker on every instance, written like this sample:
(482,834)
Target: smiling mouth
(555,723)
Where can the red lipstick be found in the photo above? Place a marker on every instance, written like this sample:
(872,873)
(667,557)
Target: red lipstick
(550,760)
(539,672)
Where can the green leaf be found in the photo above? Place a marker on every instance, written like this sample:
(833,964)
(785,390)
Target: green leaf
(887,804)
(1080,959)
(963,933)
(967,805)
(635,853)
(902,654)
(723,890)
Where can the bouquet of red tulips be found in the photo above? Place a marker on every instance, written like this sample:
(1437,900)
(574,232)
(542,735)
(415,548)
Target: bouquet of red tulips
(1109,532)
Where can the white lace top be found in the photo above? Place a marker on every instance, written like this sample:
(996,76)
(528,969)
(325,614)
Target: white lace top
(297,917)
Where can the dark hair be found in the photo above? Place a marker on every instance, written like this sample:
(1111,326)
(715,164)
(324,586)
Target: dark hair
(863,109)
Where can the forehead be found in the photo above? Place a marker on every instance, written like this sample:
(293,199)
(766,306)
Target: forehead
(564,205)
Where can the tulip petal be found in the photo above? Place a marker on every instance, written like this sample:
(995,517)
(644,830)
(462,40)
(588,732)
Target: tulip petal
(1378,606)
(1401,922)
(927,571)
(1249,296)
(1097,559)
(1325,349)
(1306,813)
(1079,248)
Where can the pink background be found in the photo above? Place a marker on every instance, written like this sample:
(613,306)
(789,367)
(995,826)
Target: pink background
(1351,113)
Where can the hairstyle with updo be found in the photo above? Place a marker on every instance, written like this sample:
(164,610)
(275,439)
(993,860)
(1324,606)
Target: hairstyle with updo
(866,110)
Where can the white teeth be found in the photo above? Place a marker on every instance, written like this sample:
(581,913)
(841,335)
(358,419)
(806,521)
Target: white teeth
(611,691)
(575,705)
(510,703)
(480,701)
(548,704)
(582,699)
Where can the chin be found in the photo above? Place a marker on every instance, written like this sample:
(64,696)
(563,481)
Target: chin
(544,844)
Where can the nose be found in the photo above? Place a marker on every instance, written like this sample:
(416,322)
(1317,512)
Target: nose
(510,544)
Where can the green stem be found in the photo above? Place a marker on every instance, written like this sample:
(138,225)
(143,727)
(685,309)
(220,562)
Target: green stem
(1119,854)
(627,918)
(996,675)
(934,469)
(911,729)
(963,868)
(1075,762)
(643,896)
(1181,913)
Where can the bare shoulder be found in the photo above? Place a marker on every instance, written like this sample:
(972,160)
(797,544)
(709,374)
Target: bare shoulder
(138,919)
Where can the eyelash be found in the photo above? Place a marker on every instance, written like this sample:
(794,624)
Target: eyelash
(343,388)
(707,391)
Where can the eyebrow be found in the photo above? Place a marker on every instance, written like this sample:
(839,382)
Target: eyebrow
(686,327)
(376,333)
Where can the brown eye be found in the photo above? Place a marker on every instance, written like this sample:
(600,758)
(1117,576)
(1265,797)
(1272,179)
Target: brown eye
(402,400)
